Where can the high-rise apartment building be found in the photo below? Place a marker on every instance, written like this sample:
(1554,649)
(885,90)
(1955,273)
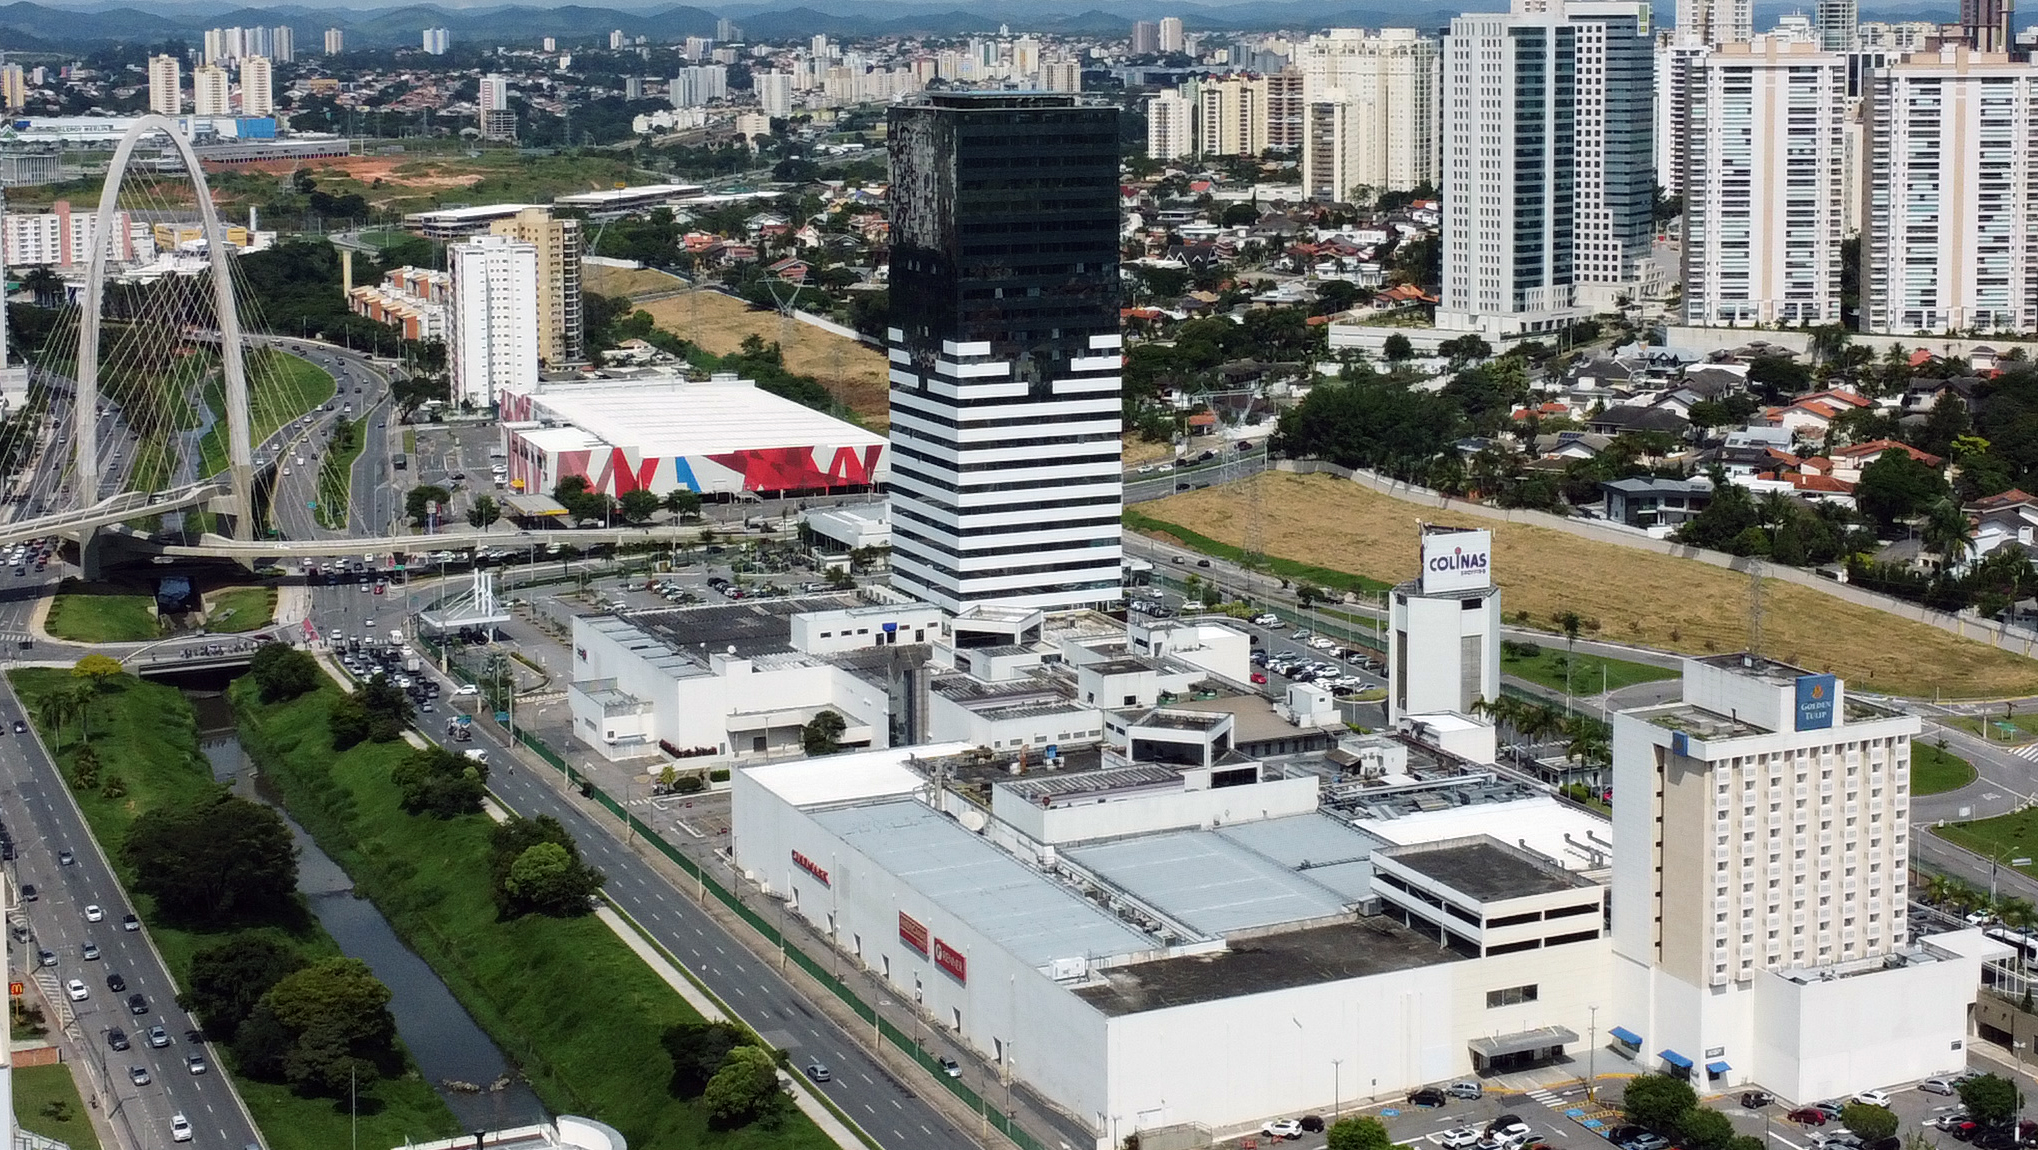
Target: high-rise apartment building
(283,44)
(1763,183)
(1146,38)
(1170,126)
(1838,24)
(696,84)
(1715,21)
(493,325)
(336,41)
(61,237)
(13,87)
(166,86)
(1006,407)
(1246,115)
(1673,110)
(1763,838)
(1370,111)
(258,92)
(1547,170)
(211,93)
(562,334)
(1985,24)
(498,121)
(774,92)
(436,41)
(1947,243)
(1172,39)
(1062,76)
(727,32)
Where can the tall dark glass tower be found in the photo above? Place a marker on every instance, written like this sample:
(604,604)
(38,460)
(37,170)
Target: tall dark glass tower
(1006,479)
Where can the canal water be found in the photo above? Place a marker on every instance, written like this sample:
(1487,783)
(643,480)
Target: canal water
(451,1050)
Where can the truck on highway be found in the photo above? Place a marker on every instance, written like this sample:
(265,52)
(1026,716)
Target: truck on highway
(460,729)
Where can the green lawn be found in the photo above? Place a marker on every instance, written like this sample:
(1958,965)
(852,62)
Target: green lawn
(1546,668)
(40,1089)
(96,613)
(147,734)
(1934,771)
(241,609)
(564,997)
(1988,727)
(1287,569)
(336,475)
(2004,837)
(281,387)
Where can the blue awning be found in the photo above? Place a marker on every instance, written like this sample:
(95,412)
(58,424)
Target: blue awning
(1626,1035)
(1717,1068)
(1674,1059)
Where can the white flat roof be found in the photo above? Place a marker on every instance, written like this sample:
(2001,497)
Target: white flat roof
(625,195)
(475,212)
(696,418)
(840,778)
(1540,823)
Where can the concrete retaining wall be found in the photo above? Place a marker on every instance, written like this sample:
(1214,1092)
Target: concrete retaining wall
(1966,625)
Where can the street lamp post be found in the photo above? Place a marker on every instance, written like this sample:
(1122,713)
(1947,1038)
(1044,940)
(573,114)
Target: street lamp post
(1592,1054)
(1336,1089)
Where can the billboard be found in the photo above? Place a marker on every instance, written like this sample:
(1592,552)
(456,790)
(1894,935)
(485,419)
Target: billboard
(1456,561)
(951,960)
(1815,701)
(912,932)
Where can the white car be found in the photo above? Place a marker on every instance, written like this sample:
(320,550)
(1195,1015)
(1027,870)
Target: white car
(1321,643)
(467,689)
(1873,1098)
(1283,1128)
(1463,1138)
(76,989)
(93,913)
(180,1128)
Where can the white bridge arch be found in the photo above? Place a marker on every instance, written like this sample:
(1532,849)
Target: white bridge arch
(240,453)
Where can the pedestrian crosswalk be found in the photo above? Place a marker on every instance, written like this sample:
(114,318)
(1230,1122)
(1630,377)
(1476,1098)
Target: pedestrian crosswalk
(2028,752)
(1547,1098)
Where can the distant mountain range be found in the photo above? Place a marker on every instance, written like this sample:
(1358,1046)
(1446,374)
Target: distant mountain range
(29,26)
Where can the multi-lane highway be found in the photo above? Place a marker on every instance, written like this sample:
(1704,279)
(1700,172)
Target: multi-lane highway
(45,823)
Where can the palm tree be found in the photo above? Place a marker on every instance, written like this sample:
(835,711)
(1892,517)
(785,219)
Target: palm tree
(1948,533)
(2017,913)
(54,710)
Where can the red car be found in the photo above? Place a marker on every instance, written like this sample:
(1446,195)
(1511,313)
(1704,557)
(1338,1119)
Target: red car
(1809,1115)
(1259,678)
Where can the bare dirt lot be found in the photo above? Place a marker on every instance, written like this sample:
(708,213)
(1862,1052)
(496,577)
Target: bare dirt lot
(1626,595)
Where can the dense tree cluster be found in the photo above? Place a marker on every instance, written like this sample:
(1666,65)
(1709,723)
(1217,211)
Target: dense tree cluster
(722,1065)
(377,713)
(436,781)
(282,672)
(325,1029)
(220,860)
(535,868)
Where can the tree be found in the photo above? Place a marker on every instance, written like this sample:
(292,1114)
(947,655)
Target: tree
(54,711)
(698,1050)
(1397,348)
(683,503)
(744,1089)
(484,513)
(283,672)
(1705,1129)
(639,505)
(1872,1123)
(418,503)
(1465,349)
(547,880)
(1746,1142)
(1658,1101)
(1358,1134)
(1897,486)
(439,782)
(228,980)
(823,734)
(96,671)
(378,712)
(220,859)
(85,768)
(1991,1099)
(1947,533)
(334,1025)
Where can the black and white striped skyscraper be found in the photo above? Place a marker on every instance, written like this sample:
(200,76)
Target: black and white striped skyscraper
(1007,484)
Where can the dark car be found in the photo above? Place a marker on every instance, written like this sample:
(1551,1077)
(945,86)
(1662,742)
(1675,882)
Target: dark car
(20,728)
(136,1004)
(117,1038)
(1428,1096)
(1756,1099)
(66,858)
(29,893)
(1809,1115)
(115,983)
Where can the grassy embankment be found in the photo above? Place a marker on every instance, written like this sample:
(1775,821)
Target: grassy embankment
(101,613)
(336,474)
(147,735)
(563,997)
(1626,594)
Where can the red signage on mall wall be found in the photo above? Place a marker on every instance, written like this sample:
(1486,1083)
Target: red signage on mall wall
(806,864)
(951,960)
(912,932)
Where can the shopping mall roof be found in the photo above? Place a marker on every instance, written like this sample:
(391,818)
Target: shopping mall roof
(1574,837)
(663,417)
(1368,946)
(1320,848)
(1209,883)
(1017,908)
